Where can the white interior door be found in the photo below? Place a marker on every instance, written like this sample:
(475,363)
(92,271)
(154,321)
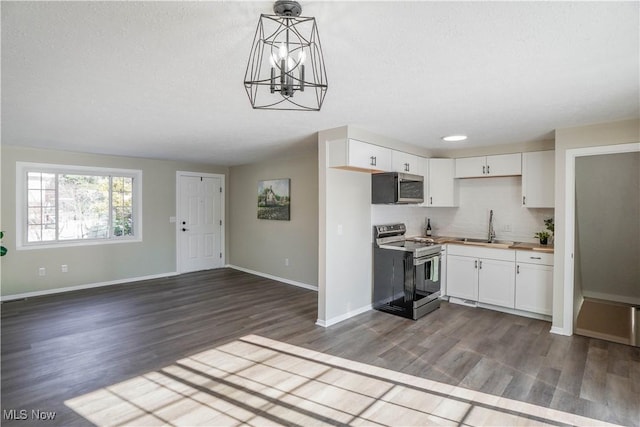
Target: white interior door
(199,223)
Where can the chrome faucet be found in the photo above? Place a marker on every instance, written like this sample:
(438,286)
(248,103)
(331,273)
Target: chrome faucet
(492,232)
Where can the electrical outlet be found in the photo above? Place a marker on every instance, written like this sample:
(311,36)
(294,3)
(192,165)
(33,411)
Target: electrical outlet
(42,271)
(64,268)
(286,262)
(339,229)
(507,227)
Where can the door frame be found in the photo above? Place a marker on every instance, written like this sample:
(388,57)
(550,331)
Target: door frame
(569,221)
(179,174)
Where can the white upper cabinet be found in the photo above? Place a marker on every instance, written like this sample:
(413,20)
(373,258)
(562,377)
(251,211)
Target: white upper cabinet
(504,165)
(356,155)
(468,167)
(404,162)
(486,166)
(440,186)
(538,179)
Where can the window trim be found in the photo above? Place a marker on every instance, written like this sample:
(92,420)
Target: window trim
(22,168)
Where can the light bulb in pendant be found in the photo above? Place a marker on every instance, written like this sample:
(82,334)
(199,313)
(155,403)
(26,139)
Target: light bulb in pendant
(283,52)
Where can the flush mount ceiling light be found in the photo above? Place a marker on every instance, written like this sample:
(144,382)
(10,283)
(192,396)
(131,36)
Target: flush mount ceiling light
(286,68)
(454,138)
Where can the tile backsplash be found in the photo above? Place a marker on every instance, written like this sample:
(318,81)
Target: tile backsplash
(478,196)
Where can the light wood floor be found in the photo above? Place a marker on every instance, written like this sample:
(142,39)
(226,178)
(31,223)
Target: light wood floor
(72,353)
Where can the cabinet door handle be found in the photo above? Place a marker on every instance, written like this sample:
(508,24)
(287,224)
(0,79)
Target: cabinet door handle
(430,200)
(480,265)
(535,257)
(524,198)
(488,171)
(517,269)
(475,264)
(484,170)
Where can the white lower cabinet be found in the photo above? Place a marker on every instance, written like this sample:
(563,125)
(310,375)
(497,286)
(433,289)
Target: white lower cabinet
(534,282)
(496,282)
(513,279)
(462,277)
(485,275)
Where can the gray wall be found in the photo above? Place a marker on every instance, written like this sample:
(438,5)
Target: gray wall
(607,252)
(262,245)
(155,255)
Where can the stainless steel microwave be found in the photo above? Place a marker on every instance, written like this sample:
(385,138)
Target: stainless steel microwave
(396,187)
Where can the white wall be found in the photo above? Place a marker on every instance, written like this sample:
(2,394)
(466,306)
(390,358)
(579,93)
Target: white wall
(622,132)
(345,233)
(478,196)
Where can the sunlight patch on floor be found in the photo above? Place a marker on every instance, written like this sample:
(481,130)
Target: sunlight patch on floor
(257,381)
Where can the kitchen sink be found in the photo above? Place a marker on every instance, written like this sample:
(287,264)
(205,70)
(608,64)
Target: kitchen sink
(481,242)
(471,241)
(485,242)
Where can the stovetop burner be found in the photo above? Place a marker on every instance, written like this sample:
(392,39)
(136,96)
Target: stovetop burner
(427,240)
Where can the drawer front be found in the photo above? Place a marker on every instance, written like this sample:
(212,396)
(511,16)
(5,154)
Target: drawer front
(481,252)
(534,257)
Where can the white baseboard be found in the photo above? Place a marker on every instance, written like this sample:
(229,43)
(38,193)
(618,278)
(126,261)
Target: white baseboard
(611,297)
(559,331)
(86,286)
(269,276)
(342,317)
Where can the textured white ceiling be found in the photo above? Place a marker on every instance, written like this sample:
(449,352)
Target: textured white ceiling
(164,79)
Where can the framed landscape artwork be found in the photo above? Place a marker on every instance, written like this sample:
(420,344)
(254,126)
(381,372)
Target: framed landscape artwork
(273,199)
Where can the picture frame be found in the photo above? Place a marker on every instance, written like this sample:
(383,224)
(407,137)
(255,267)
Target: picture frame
(274,200)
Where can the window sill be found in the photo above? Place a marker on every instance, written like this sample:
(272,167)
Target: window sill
(75,243)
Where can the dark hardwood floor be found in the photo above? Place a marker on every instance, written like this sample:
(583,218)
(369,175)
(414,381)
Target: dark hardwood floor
(62,346)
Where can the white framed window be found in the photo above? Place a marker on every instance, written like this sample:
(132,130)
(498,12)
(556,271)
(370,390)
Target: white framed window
(65,205)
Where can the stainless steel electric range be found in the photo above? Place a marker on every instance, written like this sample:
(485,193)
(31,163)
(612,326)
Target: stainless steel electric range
(406,272)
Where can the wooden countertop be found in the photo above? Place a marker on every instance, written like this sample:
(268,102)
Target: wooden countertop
(524,246)
(533,247)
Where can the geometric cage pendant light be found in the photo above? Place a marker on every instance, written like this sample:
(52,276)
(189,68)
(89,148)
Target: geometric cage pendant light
(286,68)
